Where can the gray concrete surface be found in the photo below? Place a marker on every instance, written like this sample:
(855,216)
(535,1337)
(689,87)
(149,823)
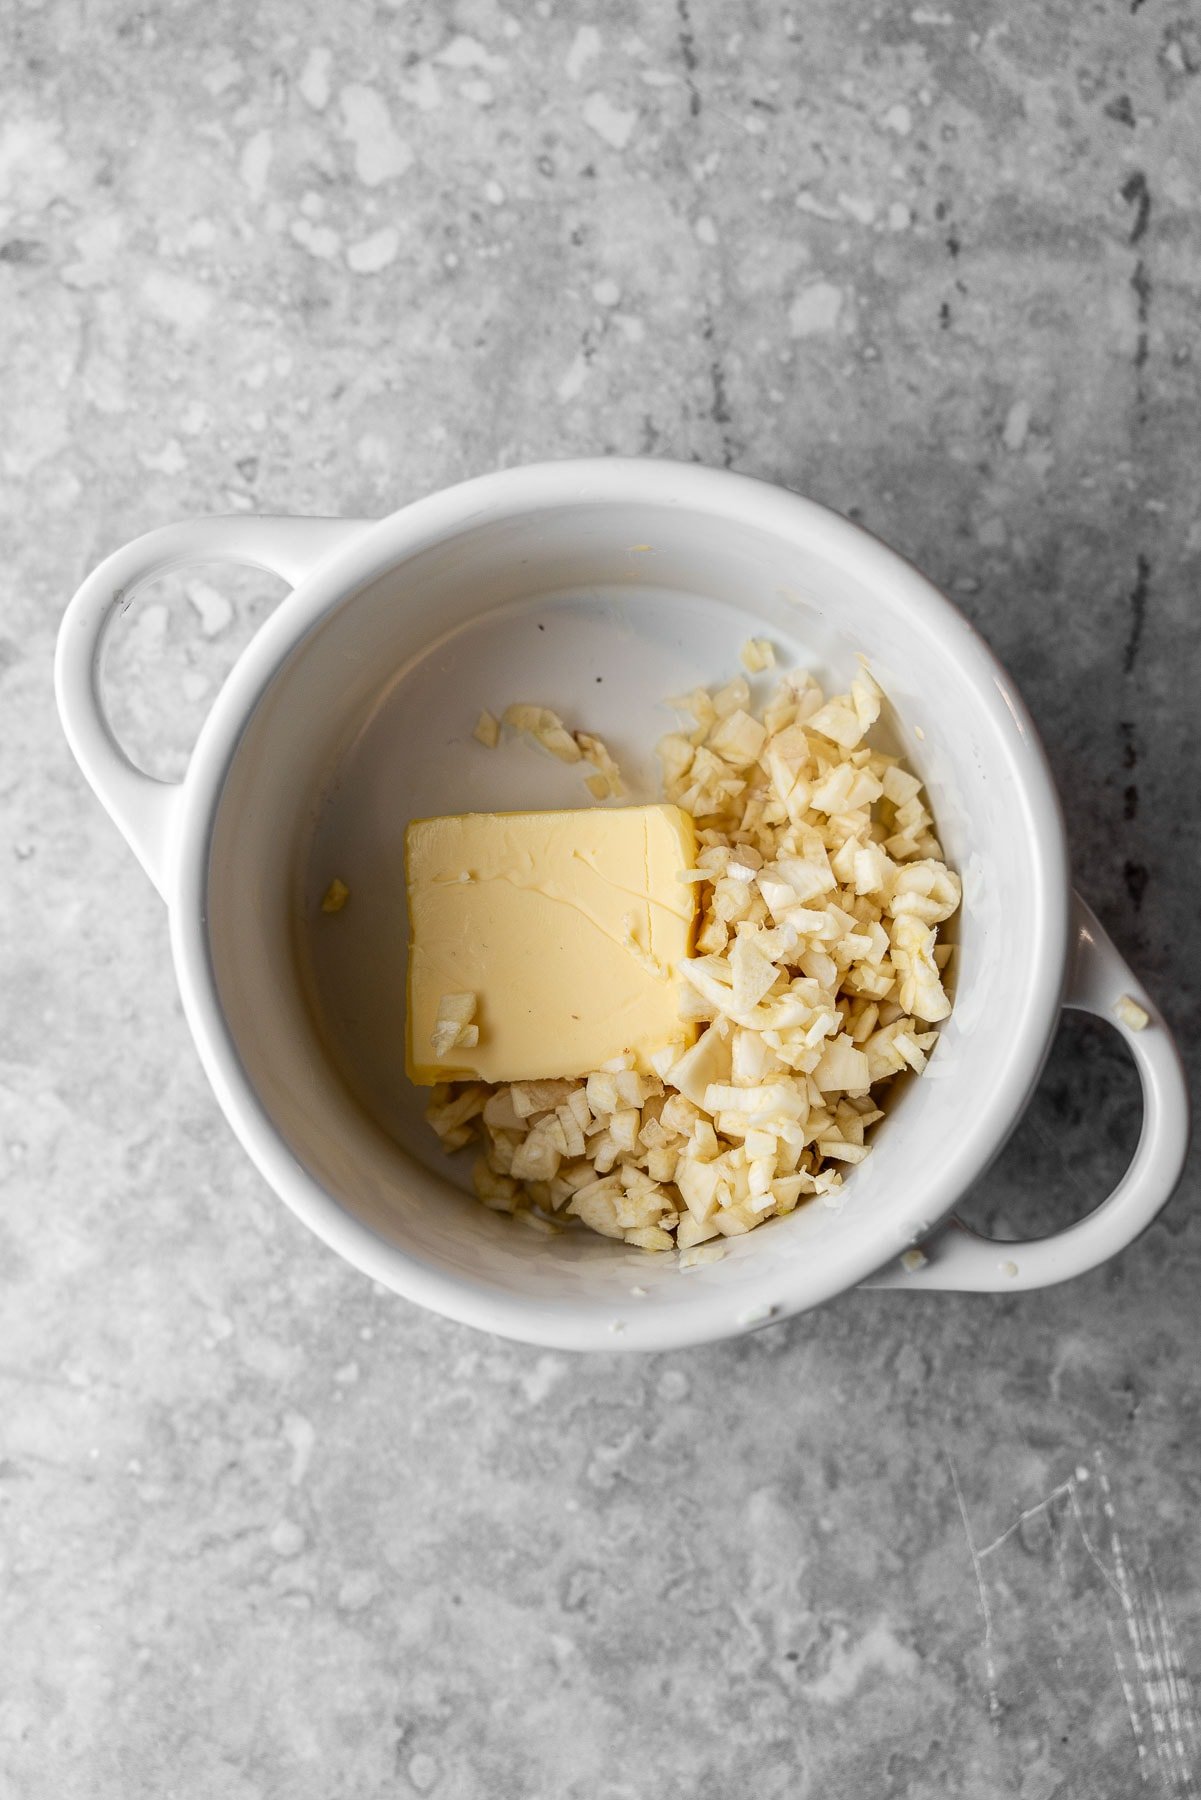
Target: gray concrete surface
(266,1531)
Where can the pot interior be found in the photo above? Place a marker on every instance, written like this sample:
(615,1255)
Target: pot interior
(601,610)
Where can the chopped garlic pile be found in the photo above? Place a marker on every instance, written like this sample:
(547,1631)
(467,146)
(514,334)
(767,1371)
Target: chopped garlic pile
(817,970)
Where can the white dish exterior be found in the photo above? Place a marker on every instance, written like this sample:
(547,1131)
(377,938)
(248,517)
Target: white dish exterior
(352,711)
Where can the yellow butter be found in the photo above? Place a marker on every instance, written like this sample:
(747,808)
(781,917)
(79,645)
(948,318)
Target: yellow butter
(568,927)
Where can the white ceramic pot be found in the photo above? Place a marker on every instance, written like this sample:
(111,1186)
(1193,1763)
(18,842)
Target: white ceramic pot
(596,587)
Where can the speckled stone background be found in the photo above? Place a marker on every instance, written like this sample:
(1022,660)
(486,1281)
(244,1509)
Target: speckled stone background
(267,1532)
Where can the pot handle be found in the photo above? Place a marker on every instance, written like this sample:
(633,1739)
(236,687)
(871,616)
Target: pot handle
(960,1260)
(142,806)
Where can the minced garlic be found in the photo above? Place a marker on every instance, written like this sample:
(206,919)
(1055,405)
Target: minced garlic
(453,1027)
(756,655)
(547,728)
(487,730)
(335,896)
(1132,1015)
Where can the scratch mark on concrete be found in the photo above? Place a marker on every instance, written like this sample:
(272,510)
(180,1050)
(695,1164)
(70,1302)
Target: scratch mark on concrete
(1129,747)
(1067,1490)
(1136,876)
(1139,594)
(719,406)
(1140,281)
(1136,1724)
(1130,764)
(688,56)
(1181,1701)
(990,1666)
(1167,1702)
(1136,193)
(1031,1512)
(1089,1547)
(1161,1704)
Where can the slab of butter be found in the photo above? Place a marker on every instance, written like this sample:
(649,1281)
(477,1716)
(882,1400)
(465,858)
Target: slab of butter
(566,926)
